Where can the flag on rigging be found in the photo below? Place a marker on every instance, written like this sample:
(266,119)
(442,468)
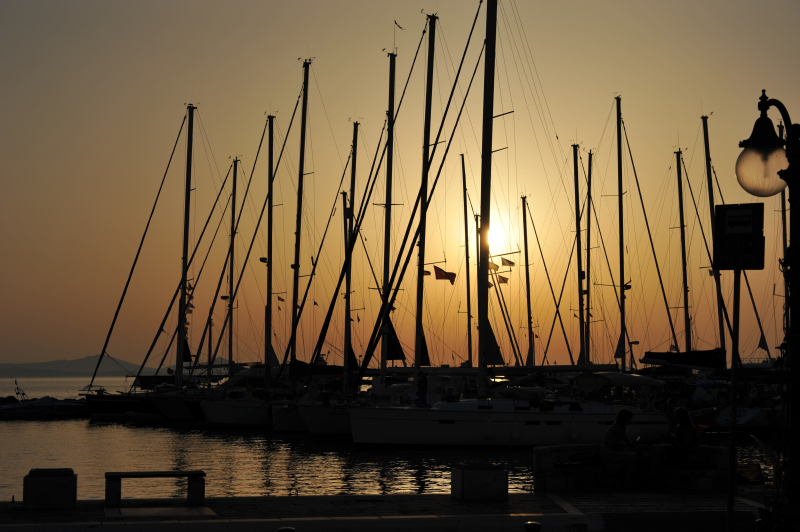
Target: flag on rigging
(503,280)
(491,285)
(280,298)
(443,275)
(425,272)
(494,267)
(315,304)
(507,262)
(399,26)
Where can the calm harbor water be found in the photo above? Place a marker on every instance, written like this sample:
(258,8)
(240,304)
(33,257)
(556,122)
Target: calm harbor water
(236,462)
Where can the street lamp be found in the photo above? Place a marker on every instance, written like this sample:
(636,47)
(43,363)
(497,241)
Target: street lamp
(763,156)
(764,168)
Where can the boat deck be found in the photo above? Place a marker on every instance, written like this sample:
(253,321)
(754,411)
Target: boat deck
(660,510)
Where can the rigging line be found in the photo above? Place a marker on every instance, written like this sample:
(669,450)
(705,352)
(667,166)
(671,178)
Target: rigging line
(362,209)
(136,258)
(366,252)
(348,255)
(330,127)
(650,237)
(557,303)
(455,84)
(236,229)
(313,270)
(206,139)
(535,92)
(711,259)
(385,308)
(550,283)
(507,319)
(527,43)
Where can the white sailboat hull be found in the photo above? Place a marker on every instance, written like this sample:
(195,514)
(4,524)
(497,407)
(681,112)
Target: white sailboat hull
(286,418)
(333,419)
(506,428)
(237,412)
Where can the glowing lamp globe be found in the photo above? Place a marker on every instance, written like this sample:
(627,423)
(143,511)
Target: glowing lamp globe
(763,156)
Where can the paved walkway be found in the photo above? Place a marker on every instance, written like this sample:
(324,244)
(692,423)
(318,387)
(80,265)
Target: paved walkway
(575,511)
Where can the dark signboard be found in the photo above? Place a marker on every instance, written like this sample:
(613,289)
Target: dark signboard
(739,237)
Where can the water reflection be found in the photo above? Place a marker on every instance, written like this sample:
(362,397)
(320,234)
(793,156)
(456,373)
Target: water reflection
(241,462)
(237,463)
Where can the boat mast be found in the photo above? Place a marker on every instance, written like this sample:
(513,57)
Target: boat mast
(588,341)
(387,228)
(785,244)
(297,231)
(348,236)
(486,192)
(622,283)
(579,262)
(268,309)
(230,269)
(531,360)
(423,211)
(711,207)
(466,250)
(687,323)
(183,326)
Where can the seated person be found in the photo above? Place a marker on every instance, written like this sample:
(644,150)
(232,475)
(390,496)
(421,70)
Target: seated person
(683,437)
(617,451)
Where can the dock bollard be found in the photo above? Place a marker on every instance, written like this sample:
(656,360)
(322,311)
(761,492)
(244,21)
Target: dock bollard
(533,526)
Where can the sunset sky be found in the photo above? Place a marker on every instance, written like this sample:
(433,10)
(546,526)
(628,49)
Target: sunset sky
(93,94)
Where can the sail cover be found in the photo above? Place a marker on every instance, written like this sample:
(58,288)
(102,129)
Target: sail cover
(710,359)
(352,361)
(395,351)
(424,359)
(493,357)
(272,359)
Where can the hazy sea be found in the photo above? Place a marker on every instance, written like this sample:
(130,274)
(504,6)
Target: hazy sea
(237,462)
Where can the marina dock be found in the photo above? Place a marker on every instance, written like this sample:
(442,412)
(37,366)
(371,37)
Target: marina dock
(575,511)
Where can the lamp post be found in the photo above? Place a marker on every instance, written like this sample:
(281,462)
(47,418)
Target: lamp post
(764,168)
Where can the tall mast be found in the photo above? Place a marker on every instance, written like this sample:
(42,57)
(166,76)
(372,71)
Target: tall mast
(588,341)
(711,207)
(297,231)
(348,237)
(687,324)
(270,227)
(486,192)
(387,229)
(622,283)
(579,262)
(423,212)
(230,269)
(183,326)
(466,250)
(531,360)
(785,244)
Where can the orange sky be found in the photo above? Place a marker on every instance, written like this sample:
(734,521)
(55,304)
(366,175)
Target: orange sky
(94,92)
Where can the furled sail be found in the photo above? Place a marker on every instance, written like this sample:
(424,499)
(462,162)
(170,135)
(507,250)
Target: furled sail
(710,359)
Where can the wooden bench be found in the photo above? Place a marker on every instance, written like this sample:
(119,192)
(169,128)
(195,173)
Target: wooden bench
(196,488)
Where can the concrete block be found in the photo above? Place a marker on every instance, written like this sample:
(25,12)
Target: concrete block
(50,489)
(705,484)
(558,483)
(197,491)
(479,482)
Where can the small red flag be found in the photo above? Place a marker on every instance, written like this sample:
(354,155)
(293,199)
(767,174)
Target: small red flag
(442,275)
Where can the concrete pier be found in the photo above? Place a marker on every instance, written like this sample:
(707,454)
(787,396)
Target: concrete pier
(666,510)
